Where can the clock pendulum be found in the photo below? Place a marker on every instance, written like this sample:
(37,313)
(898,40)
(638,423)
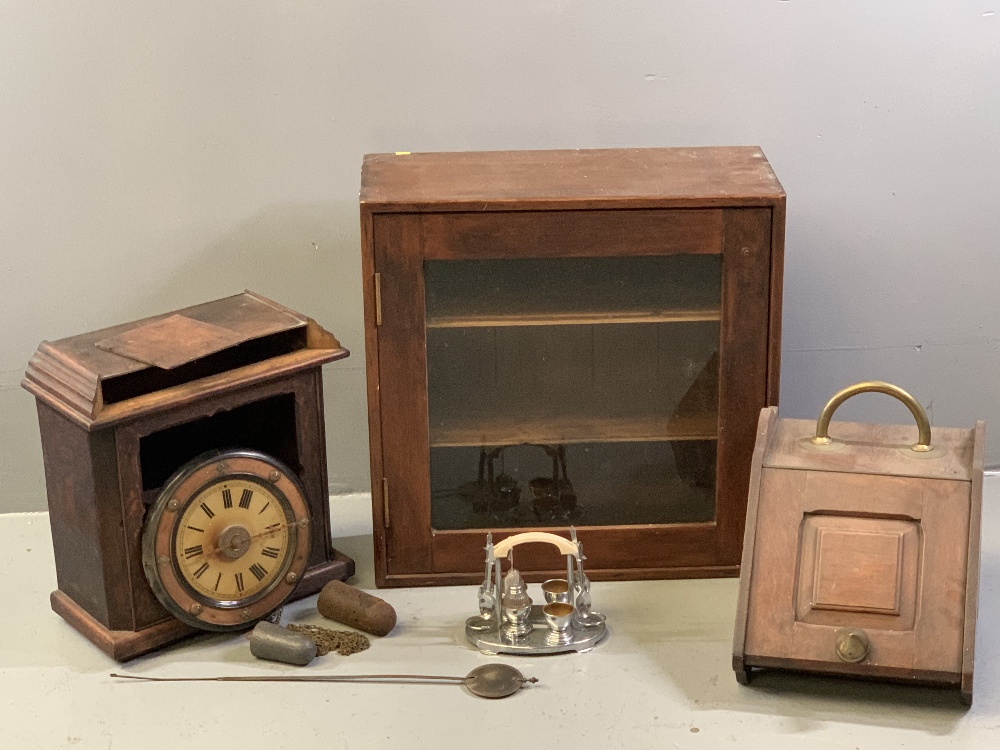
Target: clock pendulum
(486,680)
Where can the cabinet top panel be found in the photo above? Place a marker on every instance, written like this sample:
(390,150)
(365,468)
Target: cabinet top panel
(532,180)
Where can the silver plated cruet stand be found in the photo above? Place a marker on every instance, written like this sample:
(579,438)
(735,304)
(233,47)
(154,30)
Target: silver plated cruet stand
(508,621)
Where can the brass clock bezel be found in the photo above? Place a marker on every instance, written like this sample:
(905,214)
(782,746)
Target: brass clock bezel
(159,557)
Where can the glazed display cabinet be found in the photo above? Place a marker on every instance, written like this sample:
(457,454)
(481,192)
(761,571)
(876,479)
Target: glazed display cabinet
(568,338)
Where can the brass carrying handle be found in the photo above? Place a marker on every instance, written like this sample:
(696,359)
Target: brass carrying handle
(822,436)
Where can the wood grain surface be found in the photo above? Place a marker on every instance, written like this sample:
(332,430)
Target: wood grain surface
(865,536)
(419,211)
(528,180)
(107,459)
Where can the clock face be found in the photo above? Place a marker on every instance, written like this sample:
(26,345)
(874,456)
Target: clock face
(227,539)
(231,541)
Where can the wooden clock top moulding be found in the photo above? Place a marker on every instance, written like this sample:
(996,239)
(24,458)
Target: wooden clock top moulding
(99,378)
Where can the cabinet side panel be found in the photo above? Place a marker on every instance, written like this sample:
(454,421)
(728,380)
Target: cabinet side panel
(368,286)
(743,366)
(972,565)
(86,534)
(310,431)
(765,424)
(403,393)
(777,293)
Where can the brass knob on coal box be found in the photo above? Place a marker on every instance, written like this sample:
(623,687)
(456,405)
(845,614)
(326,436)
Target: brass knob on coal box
(852,644)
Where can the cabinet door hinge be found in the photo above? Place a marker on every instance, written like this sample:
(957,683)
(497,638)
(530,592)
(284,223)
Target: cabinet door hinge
(378,299)
(385,502)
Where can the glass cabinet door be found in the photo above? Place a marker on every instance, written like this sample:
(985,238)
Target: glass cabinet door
(579,391)
(541,369)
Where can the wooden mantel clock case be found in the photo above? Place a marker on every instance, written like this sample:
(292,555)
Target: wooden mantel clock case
(185,464)
(568,338)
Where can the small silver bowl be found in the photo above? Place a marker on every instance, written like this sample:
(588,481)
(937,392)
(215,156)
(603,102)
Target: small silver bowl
(556,590)
(559,617)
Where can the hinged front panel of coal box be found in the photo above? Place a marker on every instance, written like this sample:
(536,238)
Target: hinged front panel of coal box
(861,555)
(121,409)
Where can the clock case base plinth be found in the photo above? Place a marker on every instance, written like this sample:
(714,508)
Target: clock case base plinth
(123,645)
(114,429)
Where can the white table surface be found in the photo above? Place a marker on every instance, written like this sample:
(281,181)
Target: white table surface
(662,679)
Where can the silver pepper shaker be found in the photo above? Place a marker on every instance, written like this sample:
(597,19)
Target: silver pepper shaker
(516,605)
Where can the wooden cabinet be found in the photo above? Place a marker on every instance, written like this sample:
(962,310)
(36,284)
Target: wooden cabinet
(561,338)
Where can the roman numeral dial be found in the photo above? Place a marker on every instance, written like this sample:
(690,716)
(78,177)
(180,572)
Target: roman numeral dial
(233,540)
(227,539)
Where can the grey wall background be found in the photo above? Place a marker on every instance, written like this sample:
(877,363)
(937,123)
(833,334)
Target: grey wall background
(156,155)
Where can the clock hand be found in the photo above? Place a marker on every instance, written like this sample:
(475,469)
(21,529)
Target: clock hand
(273,529)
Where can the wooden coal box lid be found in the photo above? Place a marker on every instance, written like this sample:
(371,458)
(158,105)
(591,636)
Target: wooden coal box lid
(861,551)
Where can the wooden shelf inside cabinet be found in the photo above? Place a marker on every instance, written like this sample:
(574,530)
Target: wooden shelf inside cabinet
(572,291)
(560,338)
(569,429)
(594,317)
